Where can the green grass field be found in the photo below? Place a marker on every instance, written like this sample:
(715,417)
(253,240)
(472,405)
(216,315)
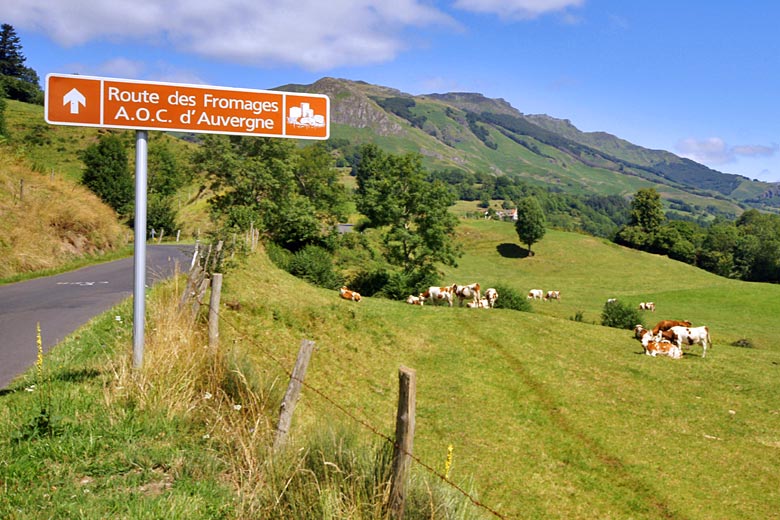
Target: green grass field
(548,417)
(552,418)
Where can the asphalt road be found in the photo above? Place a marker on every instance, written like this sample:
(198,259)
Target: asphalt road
(63,303)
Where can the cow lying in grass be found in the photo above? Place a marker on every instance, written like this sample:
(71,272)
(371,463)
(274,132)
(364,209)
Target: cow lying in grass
(655,345)
(349,295)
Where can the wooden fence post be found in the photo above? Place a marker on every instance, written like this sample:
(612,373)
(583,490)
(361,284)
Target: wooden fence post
(216,293)
(293,392)
(404,439)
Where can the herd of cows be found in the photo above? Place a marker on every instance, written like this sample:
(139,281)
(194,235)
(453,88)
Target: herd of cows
(667,338)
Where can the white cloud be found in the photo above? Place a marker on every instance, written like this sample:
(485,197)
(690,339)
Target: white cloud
(714,151)
(517,9)
(312,34)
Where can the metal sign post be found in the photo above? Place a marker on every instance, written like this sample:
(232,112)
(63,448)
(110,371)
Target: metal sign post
(139,248)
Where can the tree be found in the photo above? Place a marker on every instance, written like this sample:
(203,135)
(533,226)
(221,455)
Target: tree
(165,174)
(530,222)
(647,211)
(646,218)
(107,173)
(11,57)
(268,183)
(16,80)
(394,194)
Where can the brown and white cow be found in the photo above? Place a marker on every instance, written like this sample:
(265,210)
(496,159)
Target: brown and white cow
(491,295)
(663,348)
(349,295)
(552,295)
(535,294)
(668,324)
(647,306)
(438,294)
(691,336)
(466,292)
(415,300)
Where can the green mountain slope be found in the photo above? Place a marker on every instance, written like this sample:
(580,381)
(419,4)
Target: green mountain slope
(474,133)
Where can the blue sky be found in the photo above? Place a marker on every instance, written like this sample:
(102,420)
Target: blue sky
(697,78)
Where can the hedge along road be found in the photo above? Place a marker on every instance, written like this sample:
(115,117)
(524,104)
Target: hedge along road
(63,303)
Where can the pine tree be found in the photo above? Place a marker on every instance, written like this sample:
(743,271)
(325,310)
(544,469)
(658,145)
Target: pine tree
(17,81)
(11,57)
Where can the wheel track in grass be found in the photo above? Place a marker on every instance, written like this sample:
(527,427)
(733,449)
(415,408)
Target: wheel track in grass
(621,477)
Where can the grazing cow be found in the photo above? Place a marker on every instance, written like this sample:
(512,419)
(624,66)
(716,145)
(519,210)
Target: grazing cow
(692,335)
(482,303)
(668,324)
(349,295)
(535,294)
(491,295)
(437,294)
(552,295)
(611,300)
(415,300)
(464,292)
(647,306)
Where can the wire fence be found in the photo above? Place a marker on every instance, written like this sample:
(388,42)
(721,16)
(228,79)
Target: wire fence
(364,423)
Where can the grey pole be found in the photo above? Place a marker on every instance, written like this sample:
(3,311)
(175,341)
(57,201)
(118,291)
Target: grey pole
(139,250)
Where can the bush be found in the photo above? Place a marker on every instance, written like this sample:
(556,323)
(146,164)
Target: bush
(279,256)
(620,315)
(315,265)
(509,298)
(369,283)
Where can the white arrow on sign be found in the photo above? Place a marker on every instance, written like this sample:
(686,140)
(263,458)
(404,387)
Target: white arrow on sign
(75,98)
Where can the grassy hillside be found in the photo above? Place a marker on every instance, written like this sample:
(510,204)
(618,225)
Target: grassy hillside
(550,417)
(48,218)
(48,221)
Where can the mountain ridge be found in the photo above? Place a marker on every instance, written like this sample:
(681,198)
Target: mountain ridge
(469,131)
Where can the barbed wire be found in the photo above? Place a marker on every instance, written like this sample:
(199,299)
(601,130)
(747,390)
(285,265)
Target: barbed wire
(364,423)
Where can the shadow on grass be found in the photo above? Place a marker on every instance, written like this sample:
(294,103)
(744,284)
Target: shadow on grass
(67,376)
(511,251)
(76,376)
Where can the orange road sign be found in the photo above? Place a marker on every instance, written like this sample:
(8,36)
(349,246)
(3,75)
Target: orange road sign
(119,103)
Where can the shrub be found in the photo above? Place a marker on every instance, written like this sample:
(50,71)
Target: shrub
(279,256)
(620,315)
(578,316)
(315,265)
(369,283)
(509,298)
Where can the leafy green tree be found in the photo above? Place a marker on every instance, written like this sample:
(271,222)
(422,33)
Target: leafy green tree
(166,176)
(717,250)
(647,211)
(16,80)
(267,183)
(319,182)
(107,173)
(646,218)
(530,222)
(394,194)
(160,214)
